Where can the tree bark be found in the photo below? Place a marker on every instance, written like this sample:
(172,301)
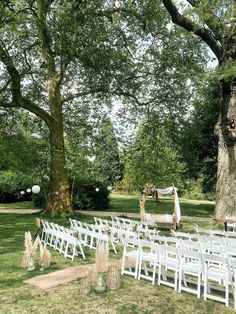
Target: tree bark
(226,171)
(59,196)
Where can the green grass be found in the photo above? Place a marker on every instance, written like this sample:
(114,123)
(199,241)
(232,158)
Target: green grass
(130,204)
(133,297)
(18,205)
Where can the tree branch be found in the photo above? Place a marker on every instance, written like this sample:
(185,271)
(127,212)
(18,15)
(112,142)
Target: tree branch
(81,94)
(193,27)
(111,11)
(43,34)
(212,20)
(17,99)
(116,92)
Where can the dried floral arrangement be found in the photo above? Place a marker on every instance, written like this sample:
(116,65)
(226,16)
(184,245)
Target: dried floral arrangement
(102,252)
(30,249)
(45,256)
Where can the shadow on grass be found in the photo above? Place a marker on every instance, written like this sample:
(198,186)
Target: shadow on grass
(165,206)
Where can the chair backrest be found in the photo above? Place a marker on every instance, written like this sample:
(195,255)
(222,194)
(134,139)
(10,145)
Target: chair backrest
(96,220)
(230,241)
(181,235)
(168,253)
(44,224)
(197,237)
(214,240)
(217,259)
(147,246)
(187,256)
(202,231)
(130,242)
(191,245)
(230,251)
(210,248)
(157,239)
(231,234)
(173,241)
(218,233)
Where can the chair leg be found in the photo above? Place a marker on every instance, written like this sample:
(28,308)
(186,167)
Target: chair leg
(227,293)
(180,280)
(123,264)
(176,280)
(205,286)
(199,286)
(139,268)
(154,274)
(136,268)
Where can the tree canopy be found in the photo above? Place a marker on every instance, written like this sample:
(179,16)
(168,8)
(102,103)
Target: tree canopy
(66,60)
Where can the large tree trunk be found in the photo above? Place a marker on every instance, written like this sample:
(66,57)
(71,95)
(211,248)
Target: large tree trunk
(59,196)
(226,173)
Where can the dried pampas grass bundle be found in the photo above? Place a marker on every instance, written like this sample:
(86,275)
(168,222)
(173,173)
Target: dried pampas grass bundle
(45,256)
(30,249)
(93,275)
(38,222)
(102,252)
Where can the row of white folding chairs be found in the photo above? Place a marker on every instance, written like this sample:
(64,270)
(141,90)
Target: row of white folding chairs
(224,247)
(127,223)
(61,239)
(149,257)
(214,232)
(142,228)
(90,234)
(102,222)
(116,232)
(205,238)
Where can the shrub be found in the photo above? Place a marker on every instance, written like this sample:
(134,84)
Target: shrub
(84,192)
(40,199)
(90,194)
(11,183)
(193,190)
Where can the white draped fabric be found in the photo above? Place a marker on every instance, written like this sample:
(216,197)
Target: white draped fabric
(170,190)
(177,206)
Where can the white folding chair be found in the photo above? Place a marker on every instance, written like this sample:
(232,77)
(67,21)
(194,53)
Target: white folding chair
(148,260)
(169,261)
(45,232)
(230,241)
(191,264)
(172,241)
(202,231)
(232,226)
(130,257)
(233,280)
(71,244)
(53,235)
(191,245)
(216,268)
(197,238)
(211,248)
(157,239)
(218,233)
(215,240)
(180,235)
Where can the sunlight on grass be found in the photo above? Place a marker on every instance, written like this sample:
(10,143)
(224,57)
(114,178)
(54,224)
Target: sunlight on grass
(130,204)
(19,205)
(134,296)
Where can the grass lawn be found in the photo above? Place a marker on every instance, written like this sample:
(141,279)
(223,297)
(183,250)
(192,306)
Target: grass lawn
(130,204)
(133,297)
(18,205)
